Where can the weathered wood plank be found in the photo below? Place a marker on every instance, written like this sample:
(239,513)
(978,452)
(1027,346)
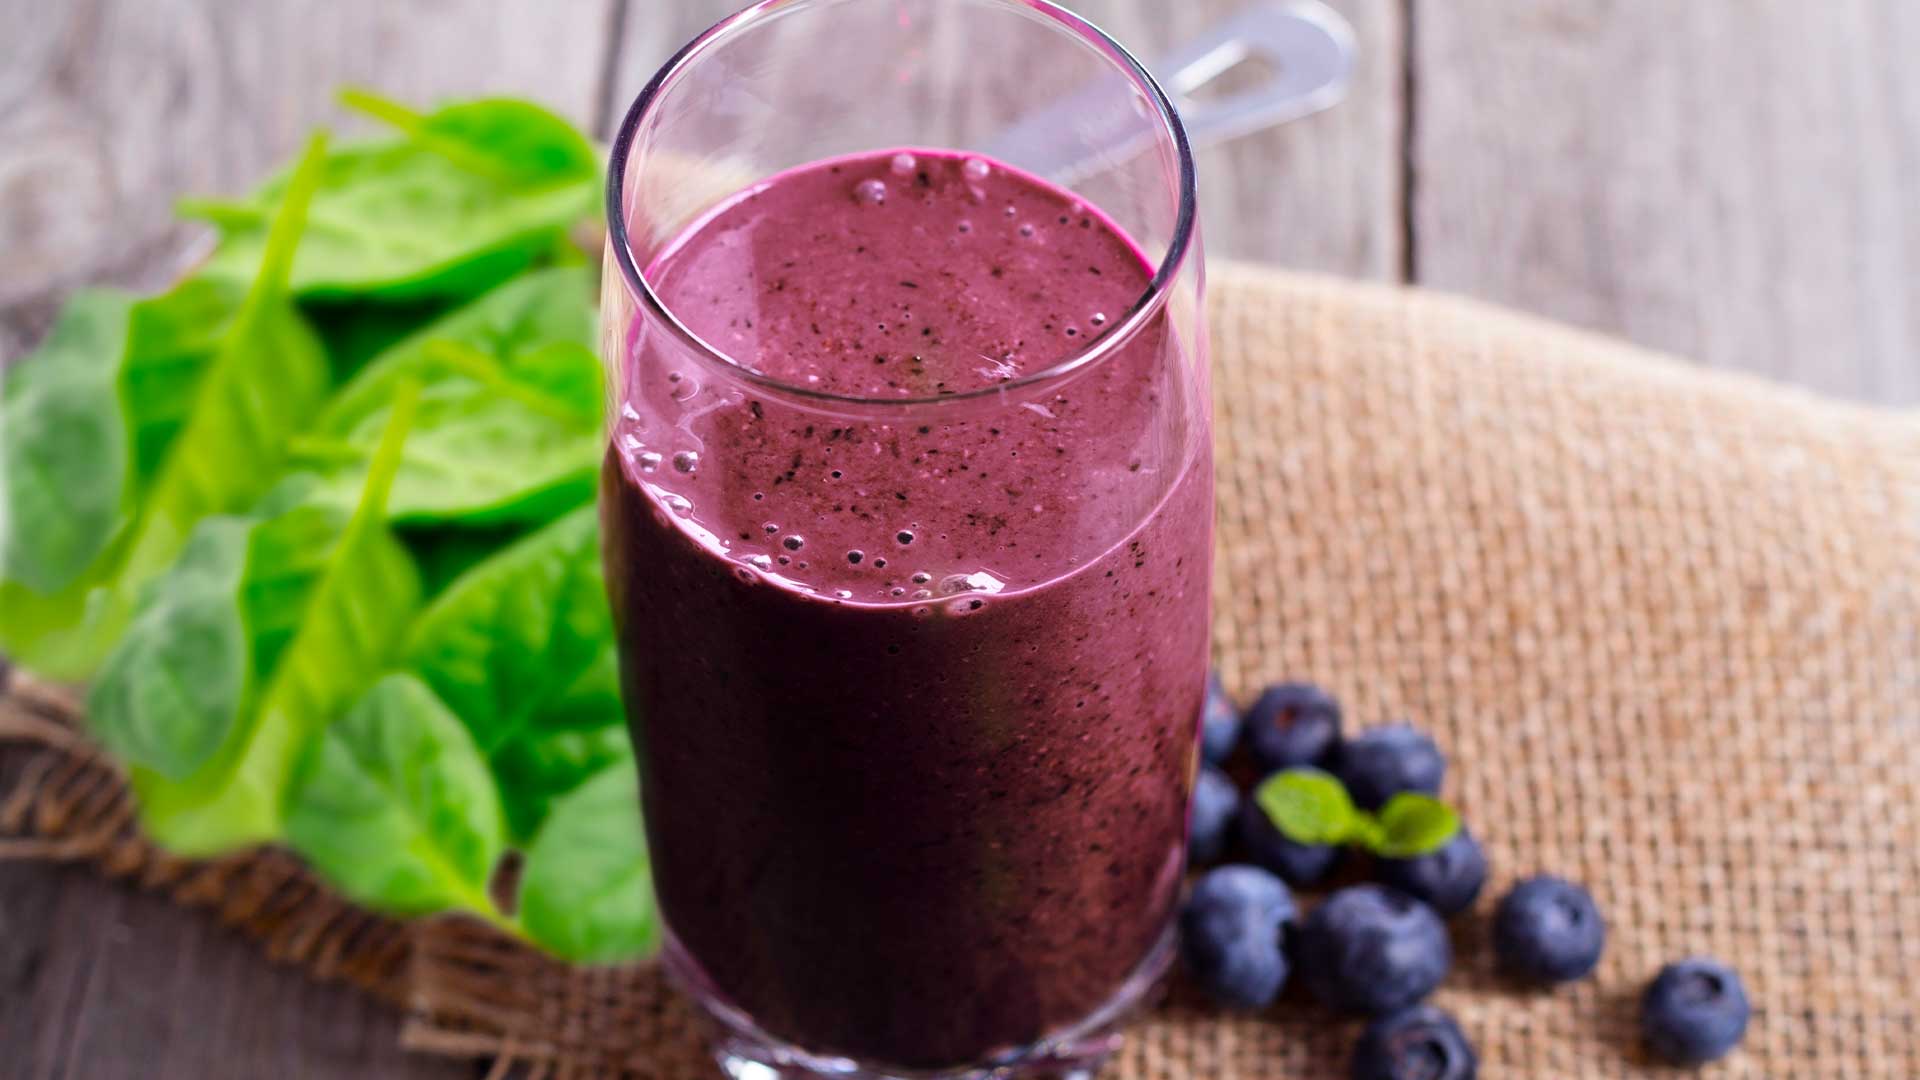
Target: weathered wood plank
(1319,194)
(1322,193)
(102,983)
(112,109)
(1732,180)
(649,33)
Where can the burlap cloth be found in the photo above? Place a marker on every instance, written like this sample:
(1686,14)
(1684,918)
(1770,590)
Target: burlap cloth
(1666,622)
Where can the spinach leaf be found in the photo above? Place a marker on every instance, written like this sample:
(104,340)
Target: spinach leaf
(171,338)
(434,214)
(444,552)
(86,417)
(509,424)
(592,700)
(586,891)
(512,140)
(321,611)
(134,422)
(63,635)
(64,493)
(354,330)
(393,803)
(546,306)
(172,689)
(63,446)
(512,636)
(540,764)
(569,739)
(493,441)
(266,379)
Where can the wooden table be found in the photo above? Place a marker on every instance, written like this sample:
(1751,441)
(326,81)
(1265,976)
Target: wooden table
(1732,180)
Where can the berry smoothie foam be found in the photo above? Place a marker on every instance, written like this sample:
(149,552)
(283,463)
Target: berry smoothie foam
(915,689)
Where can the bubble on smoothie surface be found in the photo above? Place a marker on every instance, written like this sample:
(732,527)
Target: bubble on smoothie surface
(1099,318)
(770,528)
(1026,230)
(761,562)
(978,581)
(904,536)
(976,170)
(678,504)
(686,461)
(854,556)
(649,461)
(870,192)
(922,578)
(794,542)
(903,164)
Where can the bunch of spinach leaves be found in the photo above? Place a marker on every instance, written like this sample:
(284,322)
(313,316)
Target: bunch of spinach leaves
(316,524)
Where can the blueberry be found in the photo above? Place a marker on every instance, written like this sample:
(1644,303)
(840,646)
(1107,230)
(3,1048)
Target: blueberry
(1216,802)
(1421,1043)
(1447,880)
(1232,935)
(1219,723)
(1293,724)
(1372,949)
(1378,764)
(1694,1011)
(1548,930)
(1298,864)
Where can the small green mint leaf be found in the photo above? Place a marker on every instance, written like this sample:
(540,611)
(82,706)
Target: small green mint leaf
(1368,832)
(1412,824)
(1310,807)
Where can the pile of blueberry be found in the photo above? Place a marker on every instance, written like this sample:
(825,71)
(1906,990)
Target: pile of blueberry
(1378,948)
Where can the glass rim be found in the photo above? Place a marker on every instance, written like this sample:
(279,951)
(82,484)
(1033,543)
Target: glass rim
(1142,311)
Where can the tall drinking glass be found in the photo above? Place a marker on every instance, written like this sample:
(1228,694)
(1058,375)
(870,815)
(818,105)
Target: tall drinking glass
(908,507)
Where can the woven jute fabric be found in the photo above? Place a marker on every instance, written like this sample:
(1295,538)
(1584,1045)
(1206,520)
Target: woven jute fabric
(1666,623)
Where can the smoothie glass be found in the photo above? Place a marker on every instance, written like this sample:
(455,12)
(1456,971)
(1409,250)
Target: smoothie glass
(908,527)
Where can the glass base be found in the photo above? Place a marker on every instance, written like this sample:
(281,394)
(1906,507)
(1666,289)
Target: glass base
(1075,1052)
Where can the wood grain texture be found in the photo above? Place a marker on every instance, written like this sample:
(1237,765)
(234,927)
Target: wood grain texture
(1321,194)
(650,32)
(112,109)
(101,983)
(1732,180)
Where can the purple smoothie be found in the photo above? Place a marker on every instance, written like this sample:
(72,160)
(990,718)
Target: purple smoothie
(914,690)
